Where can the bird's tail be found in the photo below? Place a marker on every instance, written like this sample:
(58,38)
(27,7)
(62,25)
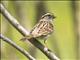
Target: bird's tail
(26,38)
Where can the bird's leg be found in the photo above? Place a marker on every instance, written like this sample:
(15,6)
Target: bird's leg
(45,42)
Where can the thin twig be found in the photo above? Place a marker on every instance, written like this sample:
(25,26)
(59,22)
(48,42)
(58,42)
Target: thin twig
(24,32)
(24,52)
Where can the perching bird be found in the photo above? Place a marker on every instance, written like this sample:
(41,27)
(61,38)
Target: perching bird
(44,27)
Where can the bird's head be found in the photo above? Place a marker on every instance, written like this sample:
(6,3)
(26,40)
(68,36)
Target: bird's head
(48,16)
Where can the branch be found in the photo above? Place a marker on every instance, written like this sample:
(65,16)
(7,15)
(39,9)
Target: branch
(24,32)
(24,52)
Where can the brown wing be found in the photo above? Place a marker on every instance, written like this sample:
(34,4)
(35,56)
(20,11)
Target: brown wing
(42,28)
(47,28)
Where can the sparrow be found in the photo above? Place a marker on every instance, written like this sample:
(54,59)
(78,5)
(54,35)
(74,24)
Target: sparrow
(44,27)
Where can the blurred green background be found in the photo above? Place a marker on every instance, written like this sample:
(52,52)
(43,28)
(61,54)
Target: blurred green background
(64,42)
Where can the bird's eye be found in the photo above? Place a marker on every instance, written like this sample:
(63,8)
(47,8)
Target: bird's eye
(49,16)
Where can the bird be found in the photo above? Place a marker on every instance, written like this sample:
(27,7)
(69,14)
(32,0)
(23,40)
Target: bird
(44,27)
